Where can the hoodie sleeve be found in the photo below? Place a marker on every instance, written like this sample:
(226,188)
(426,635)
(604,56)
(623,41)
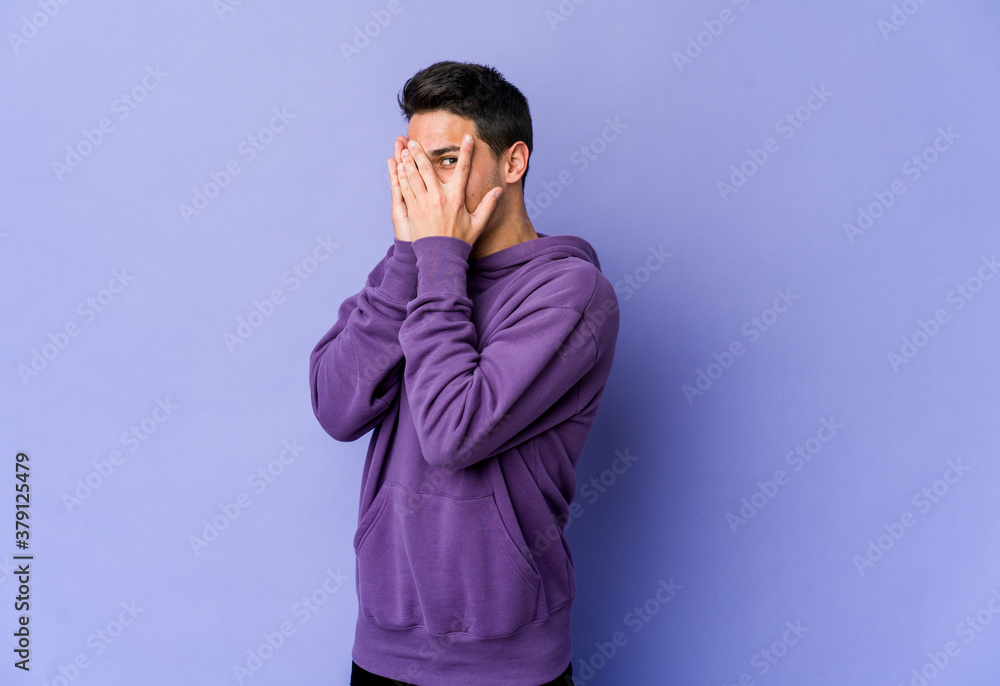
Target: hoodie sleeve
(355,369)
(466,403)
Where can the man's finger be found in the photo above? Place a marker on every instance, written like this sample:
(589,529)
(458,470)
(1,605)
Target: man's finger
(423,164)
(464,164)
(397,193)
(411,173)
(485,209)
(404,181)
(400,144)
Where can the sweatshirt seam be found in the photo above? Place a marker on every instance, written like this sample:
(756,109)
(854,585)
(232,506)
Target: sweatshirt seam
(590,301)
(593,335)
(407,489)
(424,627)
(387,296)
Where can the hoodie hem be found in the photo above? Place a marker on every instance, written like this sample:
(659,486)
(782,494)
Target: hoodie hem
(533,655)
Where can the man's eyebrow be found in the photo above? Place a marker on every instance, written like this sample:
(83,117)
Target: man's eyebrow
(442,151)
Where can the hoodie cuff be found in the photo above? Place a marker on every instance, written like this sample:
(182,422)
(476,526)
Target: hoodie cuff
(400,279)
(442,263)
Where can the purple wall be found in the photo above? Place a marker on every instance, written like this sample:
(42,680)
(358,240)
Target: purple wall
(793,477)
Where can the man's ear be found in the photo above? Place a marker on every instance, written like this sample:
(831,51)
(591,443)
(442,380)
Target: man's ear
(516,163)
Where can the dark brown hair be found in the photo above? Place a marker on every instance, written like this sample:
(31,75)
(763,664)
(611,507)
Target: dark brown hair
(498,109)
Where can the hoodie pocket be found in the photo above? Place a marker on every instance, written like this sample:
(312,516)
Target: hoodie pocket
(444,563)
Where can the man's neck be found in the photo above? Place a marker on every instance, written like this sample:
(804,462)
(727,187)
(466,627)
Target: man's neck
(513,230)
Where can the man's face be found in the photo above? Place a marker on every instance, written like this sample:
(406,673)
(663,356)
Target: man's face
(440,133)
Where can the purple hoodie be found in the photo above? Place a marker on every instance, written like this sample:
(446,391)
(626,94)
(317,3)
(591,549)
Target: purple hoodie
(464,575)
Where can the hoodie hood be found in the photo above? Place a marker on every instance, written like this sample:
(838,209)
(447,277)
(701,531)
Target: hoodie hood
(501,263)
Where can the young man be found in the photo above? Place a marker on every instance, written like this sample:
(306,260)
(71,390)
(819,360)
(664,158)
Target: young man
(478,351)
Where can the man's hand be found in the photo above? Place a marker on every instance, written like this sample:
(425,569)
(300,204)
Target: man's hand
(438,209)
(399,222)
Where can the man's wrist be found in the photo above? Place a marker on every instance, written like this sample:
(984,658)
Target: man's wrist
(400,279)
(442,264)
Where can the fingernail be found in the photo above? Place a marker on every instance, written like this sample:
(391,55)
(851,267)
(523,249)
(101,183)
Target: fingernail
(412,144)
(468,138)
(405,152)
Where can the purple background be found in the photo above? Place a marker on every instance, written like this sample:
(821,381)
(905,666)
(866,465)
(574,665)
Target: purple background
(810,553)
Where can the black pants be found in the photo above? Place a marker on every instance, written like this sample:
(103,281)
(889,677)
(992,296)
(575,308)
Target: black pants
(360,677)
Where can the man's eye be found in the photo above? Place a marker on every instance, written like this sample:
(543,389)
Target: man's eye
(454,160)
